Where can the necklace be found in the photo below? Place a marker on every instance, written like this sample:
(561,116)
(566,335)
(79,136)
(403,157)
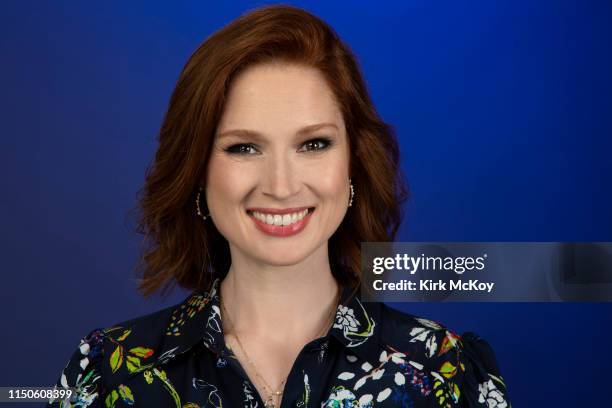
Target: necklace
(270,400)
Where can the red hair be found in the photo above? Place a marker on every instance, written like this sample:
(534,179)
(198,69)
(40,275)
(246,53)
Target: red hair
(182,249)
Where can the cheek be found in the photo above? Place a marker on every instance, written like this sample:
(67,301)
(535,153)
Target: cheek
(335,185)
(224,184)
(331,180)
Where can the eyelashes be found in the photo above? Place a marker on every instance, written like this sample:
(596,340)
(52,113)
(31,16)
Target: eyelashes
(310,146)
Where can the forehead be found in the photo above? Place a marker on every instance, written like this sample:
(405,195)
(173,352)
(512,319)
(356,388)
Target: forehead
(275,96)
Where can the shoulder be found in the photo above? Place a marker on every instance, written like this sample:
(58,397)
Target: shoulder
(132,345)
(457,369)
(106,356)
(424,336)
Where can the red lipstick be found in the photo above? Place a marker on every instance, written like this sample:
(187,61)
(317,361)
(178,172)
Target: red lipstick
(281,230)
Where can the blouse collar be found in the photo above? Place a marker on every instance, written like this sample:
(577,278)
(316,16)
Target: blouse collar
(197,321)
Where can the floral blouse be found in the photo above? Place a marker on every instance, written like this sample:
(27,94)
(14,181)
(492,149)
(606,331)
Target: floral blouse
(373,356)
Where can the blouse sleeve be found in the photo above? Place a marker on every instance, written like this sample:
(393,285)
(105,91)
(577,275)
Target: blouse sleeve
(483,385)
(83,372)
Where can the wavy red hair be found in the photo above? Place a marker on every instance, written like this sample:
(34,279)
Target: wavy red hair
(179,247)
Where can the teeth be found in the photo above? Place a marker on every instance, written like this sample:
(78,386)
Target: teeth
(277,219)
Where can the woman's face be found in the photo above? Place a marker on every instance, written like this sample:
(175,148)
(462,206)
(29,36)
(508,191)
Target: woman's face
(280,149)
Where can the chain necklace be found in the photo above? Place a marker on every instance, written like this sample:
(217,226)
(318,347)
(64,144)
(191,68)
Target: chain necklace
(269,402)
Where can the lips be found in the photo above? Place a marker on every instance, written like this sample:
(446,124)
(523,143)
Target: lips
(280,230)
(279,211)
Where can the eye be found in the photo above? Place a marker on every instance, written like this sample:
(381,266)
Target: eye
(241,148)
(313,145)
(319,143)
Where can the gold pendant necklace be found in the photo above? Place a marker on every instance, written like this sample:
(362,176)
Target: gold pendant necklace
(270,400)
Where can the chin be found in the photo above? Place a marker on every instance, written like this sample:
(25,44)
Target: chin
(284,260)
(281,255)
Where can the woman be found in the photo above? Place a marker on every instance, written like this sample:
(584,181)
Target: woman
(272,168)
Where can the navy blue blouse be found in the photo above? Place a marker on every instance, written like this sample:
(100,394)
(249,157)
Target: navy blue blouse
(373,356)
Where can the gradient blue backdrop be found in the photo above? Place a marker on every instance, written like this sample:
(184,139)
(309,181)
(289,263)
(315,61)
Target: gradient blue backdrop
(503,110)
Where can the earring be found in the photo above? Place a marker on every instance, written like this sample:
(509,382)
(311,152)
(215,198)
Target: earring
(198,206)
(352,193)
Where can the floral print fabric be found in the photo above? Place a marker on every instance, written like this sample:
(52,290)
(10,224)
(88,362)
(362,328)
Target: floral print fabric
(373,356)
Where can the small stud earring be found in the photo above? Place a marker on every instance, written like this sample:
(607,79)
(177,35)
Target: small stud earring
(352,193)
(198,206)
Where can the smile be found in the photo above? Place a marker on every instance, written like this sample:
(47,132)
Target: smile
(281,223)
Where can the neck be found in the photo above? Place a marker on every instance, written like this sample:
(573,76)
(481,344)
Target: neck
(292,303)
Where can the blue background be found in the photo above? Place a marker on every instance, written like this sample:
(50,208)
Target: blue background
(503,110)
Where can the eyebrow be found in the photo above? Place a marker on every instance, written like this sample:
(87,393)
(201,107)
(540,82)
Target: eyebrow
(257,135)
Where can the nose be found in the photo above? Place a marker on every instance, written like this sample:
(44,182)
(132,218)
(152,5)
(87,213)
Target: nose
(281,180)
